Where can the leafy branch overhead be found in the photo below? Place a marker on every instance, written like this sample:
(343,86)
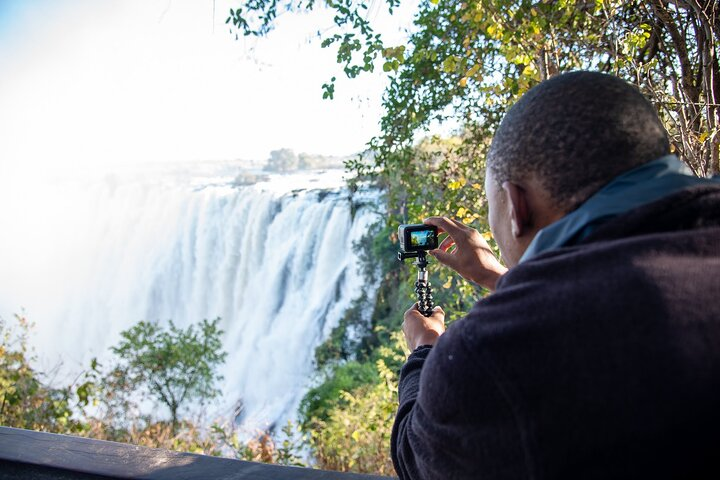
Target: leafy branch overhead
(468,61)
(358,44)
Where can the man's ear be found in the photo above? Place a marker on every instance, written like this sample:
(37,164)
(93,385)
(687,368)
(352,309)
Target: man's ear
(517,203)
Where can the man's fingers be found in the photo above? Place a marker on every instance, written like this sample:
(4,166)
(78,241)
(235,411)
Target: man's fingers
(446,244)
(443,223)
(421,330)
(459,224)
(413,311)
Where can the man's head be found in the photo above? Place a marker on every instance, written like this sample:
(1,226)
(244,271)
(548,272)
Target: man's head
(558,145)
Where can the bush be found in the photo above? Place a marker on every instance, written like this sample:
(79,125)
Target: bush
(355,434)
(319,401)
(26,401)
(183,359)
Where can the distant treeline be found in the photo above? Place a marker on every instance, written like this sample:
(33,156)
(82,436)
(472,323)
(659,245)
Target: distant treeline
(286,160)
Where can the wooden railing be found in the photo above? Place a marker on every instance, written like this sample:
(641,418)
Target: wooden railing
(28,455)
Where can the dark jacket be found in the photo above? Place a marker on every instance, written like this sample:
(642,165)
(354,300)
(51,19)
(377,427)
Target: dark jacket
(596,361)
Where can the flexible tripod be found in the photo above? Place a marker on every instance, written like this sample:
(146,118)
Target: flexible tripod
(422,285)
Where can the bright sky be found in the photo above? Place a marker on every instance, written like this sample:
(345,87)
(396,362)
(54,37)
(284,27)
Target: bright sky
(127,81)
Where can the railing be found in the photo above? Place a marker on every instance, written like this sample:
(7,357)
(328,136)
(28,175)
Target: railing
(25,454)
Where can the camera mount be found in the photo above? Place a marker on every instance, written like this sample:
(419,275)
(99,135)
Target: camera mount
(422,285)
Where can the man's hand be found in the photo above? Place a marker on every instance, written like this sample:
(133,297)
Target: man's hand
(472,258)
(422,330)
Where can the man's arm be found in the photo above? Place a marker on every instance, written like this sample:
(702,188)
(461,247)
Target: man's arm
(455,419)
(407,393)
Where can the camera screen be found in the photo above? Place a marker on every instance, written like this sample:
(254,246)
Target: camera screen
(422,238)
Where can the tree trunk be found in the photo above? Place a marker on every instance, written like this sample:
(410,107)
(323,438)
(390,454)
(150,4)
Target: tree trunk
(173,414)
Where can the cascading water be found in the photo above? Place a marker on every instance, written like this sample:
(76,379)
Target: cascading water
(275,260)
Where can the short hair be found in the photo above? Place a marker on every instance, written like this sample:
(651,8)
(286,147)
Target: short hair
(575,132)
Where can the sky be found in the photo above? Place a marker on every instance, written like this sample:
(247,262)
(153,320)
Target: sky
(107,82)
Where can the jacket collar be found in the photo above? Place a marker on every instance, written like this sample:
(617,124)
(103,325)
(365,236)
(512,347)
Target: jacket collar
(634,188)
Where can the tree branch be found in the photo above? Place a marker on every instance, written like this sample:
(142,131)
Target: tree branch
(686,70)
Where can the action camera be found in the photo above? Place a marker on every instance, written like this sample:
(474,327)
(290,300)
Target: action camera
(415,241)
(415,238)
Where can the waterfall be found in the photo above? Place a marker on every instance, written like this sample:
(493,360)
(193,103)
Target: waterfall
(275,260)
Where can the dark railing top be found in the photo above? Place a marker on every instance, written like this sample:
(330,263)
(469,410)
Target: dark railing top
(26,454)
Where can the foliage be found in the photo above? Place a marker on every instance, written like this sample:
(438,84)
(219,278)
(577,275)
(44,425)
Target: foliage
(318,402)
(286,160)
(186,436)
(339,346)
(26,399)
(263,447)
(357,49)
(220,440)
(174,366)
(349,415)
(468,61)
(356,436)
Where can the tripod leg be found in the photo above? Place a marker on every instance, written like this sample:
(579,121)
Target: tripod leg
(424,297)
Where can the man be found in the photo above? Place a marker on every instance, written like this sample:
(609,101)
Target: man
(598,354)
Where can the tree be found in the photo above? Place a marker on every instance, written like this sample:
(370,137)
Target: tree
(282,160)
(469,61)
(174,365)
